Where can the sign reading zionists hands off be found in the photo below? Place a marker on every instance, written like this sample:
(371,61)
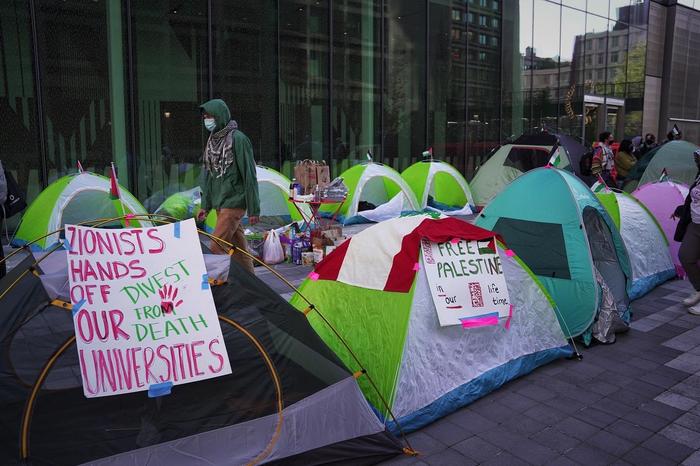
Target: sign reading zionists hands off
(142,308)
(466,281)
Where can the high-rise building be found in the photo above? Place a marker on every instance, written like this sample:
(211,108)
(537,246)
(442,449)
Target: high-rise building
(104,81)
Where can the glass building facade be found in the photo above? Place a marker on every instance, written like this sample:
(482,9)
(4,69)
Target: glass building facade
(101,81)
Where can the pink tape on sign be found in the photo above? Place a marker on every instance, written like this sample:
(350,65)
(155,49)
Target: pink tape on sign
(455,240)
(128,217)
(416,267)
(510,316)
(480,322)
(509,253)
(313,276)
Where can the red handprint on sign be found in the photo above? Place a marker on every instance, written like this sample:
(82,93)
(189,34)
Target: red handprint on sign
(168,294)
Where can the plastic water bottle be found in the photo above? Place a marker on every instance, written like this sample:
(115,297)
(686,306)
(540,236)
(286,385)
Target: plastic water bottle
(297,249)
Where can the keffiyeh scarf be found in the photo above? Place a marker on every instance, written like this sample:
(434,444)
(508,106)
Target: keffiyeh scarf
(218,155)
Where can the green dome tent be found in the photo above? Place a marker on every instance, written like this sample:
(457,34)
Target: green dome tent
(376,184)
(73,199)
(645,241)
(440,182)
(375,293)
(512,160)
(559,228)
(676,157)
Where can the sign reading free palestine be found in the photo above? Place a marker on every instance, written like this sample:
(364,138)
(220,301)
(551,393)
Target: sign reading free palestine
(143,310)
(466,281)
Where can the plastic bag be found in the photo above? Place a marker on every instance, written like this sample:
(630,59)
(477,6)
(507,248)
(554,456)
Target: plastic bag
(273,253)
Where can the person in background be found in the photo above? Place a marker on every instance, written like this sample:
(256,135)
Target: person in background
(648,144)
(230,183)
(624,160)
(603,162)
(688,233)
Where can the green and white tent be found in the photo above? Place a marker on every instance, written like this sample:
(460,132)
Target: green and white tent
(439,185)
(673,157)
(553,221)
(512,160)
(73,199)
(375,294)
(376,184)
(645,241)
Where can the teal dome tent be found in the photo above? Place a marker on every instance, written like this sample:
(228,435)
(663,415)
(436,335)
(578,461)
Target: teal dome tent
(558,227)
(674,157)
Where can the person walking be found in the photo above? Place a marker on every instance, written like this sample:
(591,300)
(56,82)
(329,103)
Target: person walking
(230,183)
(688,233)
(603,162)
(624,160)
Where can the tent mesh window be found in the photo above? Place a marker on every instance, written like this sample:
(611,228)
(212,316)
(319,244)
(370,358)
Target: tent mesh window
(604,255)
(525,238)
(527,158)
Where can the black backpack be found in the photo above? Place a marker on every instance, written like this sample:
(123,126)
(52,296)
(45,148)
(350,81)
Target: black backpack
(585,163)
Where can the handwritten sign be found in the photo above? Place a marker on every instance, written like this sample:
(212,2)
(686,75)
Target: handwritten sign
(143,311)
(466,281)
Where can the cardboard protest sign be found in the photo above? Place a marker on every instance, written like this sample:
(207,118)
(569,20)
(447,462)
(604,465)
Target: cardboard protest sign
(466,281)
(143,311)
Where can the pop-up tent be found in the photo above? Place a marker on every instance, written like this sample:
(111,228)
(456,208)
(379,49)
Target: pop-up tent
(273,190)
(559,228)
(76,198)
(646,244)
(374,184)
(373,294)
(661,198)
(226,420)
(440,186)
(675,157)
(512,160)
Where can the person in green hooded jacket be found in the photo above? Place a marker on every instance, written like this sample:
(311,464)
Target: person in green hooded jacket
(230,183)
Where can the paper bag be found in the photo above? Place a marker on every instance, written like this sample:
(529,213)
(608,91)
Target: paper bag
(305,173)
(323,174)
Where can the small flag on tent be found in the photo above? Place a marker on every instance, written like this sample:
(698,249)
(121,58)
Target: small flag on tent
(113,185)
(599,185)
(115,195)
(676,131)
(80,167)
(428,153)
(664,175)
(554,160)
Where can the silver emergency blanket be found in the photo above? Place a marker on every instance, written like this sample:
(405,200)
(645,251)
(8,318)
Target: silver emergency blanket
(609,320)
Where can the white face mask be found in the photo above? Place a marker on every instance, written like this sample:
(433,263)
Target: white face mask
(210,123)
